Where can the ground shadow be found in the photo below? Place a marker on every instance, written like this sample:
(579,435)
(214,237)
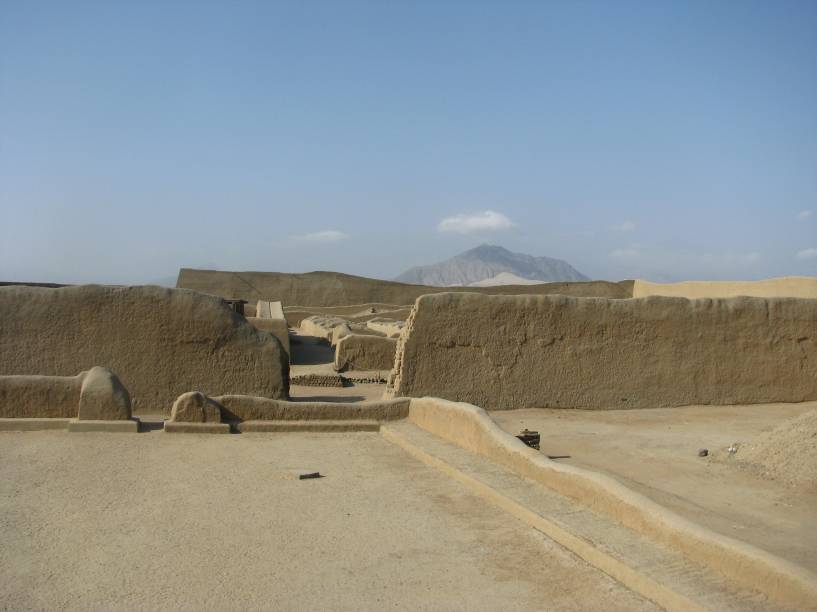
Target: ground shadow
(311,350)
(341,399)
(152,425)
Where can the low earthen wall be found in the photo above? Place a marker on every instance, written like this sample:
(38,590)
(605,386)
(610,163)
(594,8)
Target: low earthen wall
(471,428)
(353,314)
(248,408)
(320,326)
(93,395)
(787,286)
(358,352)
(507,352)
(389,327)
(339,332)
(43,397)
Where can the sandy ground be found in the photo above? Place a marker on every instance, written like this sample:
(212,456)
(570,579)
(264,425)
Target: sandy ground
(354,393)
(312,355)
(193,522)
(656,453)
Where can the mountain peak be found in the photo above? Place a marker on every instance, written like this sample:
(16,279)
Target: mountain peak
(486,248)
(488,264)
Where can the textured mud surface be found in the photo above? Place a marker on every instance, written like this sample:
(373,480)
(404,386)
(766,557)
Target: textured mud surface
(507,352)
(655,452)
(154,521)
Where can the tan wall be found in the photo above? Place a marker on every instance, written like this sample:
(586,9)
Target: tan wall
(471,428)
(789,286)
(339,332)
(276,327)
(40,396)
(360,313)
(93,395)
(389,327)
(506,352)
(357,352)
(161,342)
(335,289)
(270,318)
(320,327)
(269,310)
(247,408)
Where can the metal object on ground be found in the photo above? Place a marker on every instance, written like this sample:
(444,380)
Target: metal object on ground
(531,438)
(310,475)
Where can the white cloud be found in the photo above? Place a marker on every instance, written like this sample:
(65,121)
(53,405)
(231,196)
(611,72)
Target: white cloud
(322,236)
(807,254)
(625,226)
(804,214)
(479,222)
(628,253)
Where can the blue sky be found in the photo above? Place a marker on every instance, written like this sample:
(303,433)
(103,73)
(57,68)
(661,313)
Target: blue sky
(665,140)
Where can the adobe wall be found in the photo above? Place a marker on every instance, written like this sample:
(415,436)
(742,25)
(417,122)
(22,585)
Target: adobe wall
(161,342)
(45,397)
(471,428)
(389,327)
(506,352)
(270,318)
(359,352)
(321,327)
(788,286)
(336,289)
(247,408)
(95,395)
(339,332)
(265,309)
(360,313)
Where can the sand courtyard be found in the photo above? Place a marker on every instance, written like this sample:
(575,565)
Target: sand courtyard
(223,522)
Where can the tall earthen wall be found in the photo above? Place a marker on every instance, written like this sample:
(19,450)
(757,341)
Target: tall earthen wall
(335,289)
(160,342)
(505,352)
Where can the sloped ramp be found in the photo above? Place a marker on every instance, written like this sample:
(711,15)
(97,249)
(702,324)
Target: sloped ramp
(654,571)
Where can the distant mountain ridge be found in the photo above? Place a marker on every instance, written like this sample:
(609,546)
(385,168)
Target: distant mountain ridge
(491,264)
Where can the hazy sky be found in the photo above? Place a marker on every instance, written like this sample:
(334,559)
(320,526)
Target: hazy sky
(633,139)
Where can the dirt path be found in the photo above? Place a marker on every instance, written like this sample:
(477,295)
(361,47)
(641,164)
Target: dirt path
(655,452)
(310,354)
(313,355)
(155,521)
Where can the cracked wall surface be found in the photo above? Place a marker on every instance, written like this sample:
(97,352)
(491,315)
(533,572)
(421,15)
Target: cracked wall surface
(507,352)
